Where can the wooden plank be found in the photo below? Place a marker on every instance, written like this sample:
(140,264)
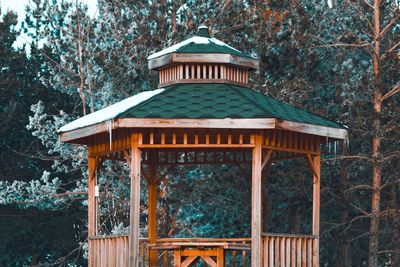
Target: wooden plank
(298,260)
(92,167)
(152,206)
(309,252)
(271,251)
(294,249)
(315,252)
(288,250)
(303,252)
(256,223)
(316,195)
(210,261)
(165,257)
(191,146)
(266,252)
(177,258)
(220,258)
(277,251)
(312,129)
(135,201)
(78,134)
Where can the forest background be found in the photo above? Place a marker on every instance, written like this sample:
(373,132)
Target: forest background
(339,59)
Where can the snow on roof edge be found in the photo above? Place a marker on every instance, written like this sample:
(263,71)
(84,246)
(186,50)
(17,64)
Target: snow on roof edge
(194,39)
(110,112)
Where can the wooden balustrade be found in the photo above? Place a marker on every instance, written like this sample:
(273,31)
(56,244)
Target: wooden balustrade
(113,251)
(279,250)
(290,250)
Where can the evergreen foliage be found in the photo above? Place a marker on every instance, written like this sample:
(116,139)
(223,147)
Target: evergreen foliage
(313,56)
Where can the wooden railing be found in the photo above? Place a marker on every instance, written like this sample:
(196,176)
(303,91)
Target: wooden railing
(279,250)
(290,250)
(113,251)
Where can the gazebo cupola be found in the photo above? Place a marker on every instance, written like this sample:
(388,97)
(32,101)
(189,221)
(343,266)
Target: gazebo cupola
(202,59)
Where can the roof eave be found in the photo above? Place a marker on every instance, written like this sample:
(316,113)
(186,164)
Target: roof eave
(172,58)
(76,136)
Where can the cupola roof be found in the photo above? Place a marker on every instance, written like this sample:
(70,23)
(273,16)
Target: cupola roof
(194,50)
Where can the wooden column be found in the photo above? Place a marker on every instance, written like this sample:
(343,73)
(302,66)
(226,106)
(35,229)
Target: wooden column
(135,202)
(152,215)
(256,223)
(316,207)
(92,166)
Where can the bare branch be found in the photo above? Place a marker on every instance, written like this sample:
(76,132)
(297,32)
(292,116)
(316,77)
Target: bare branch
(368,4)
(361,14)
(395,90)
(349,157)
(388,26)
(390,50)
(342,45)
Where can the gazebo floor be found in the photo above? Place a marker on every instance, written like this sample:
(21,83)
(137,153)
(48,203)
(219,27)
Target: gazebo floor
(278,250)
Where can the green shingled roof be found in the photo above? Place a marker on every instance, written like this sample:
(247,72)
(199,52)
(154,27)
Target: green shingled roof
(219,101)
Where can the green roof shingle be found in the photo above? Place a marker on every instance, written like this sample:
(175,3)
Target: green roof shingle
(219,101)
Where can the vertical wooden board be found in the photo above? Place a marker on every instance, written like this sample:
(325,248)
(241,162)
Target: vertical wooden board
(294,247)
(278,251)
(283,251)
(92,166)
(309,252)
(256,223)
(266,250)
(177,258)
(165,256)
(288,251)
(271,251)
(135,201)
(220,257)
(152,207)
(303,252)
(298,260)
(234,258)
(316,252)
(316,195)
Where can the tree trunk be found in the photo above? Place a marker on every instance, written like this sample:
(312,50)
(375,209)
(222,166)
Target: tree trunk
(394,223)
(376,142)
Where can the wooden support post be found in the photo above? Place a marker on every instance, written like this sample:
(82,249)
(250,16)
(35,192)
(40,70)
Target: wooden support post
(316,208)
(256,223)
(135,202)
(92,166)
(152,206)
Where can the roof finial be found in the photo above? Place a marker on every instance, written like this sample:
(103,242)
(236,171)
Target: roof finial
(202,31)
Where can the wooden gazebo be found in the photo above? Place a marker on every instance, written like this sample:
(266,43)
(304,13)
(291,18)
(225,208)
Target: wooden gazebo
(203,105)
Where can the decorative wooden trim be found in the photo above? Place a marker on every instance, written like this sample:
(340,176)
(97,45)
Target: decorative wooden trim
(312,129)
(191,81)
(198,123)
(205,73)
(76,136)
(172,58)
